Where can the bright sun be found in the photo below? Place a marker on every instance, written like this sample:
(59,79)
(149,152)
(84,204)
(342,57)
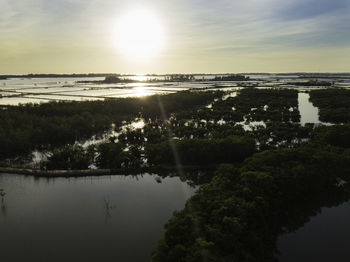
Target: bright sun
(139,34)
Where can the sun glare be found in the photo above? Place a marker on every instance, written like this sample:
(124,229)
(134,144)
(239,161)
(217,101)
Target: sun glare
(139,34)
(140,91)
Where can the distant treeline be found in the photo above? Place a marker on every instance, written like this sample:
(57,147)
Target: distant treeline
(311,83)
(231,78)
(110,79)
(324,75)
(54,75)
(300,74)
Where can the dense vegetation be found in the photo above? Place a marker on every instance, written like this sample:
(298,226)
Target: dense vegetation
(201,151)
(311,83)
(198,142)
(109,79)
(256,105)
(269,179)
(240,213)
(334,104)
(46,126)
(231,78)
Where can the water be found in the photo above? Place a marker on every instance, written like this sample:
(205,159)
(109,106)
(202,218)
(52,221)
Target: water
(117,218)
(38,90)
(324,238)
(309,113)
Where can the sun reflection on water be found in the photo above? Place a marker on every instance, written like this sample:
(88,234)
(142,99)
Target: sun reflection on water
(139,78)
(140,91)
(138,124)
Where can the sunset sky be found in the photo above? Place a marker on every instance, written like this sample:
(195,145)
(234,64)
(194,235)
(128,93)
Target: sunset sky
(81,36)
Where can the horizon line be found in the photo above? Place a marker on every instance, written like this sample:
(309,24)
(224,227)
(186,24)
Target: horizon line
(164,74)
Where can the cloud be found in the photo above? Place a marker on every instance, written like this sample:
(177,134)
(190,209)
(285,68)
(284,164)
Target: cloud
(310,8)
(243,26)
(195,29)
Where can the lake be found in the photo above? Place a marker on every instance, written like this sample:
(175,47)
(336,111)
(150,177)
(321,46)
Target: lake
(112,218)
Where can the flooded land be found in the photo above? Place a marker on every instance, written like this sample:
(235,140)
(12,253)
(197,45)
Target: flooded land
(200,168)
(21,90)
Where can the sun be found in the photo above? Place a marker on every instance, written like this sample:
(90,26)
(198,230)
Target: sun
(139,34)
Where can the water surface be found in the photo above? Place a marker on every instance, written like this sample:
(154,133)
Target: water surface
(116,218)
(308,112)
(16,91)
(324,238)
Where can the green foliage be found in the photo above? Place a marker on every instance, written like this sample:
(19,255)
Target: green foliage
(239,214)
(231,78)
(70,158)
(201,151)
(133,137)
(110,155)
(116,155)
(253,104)
(279,134)
(338,135)
(50,125)
(334,104)
(311,83)
(112,79)
(240,211)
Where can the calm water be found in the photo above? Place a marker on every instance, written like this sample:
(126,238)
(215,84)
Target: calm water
(324,238)
(308,112)
(16,91)
(68,219)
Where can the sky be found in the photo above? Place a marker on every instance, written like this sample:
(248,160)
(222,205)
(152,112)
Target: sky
(199,36)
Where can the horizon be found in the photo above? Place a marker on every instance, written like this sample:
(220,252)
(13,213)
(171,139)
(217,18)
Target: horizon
(174,73)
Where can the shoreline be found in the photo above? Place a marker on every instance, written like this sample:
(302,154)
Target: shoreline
(99,172)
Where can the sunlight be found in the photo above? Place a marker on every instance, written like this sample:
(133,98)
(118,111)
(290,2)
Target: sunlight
(139,124)
(139,34)
(140,91)
(139,78)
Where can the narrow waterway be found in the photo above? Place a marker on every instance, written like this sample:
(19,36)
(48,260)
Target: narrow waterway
(309,113)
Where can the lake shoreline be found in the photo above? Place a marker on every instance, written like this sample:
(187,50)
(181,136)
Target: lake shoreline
(99,172)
